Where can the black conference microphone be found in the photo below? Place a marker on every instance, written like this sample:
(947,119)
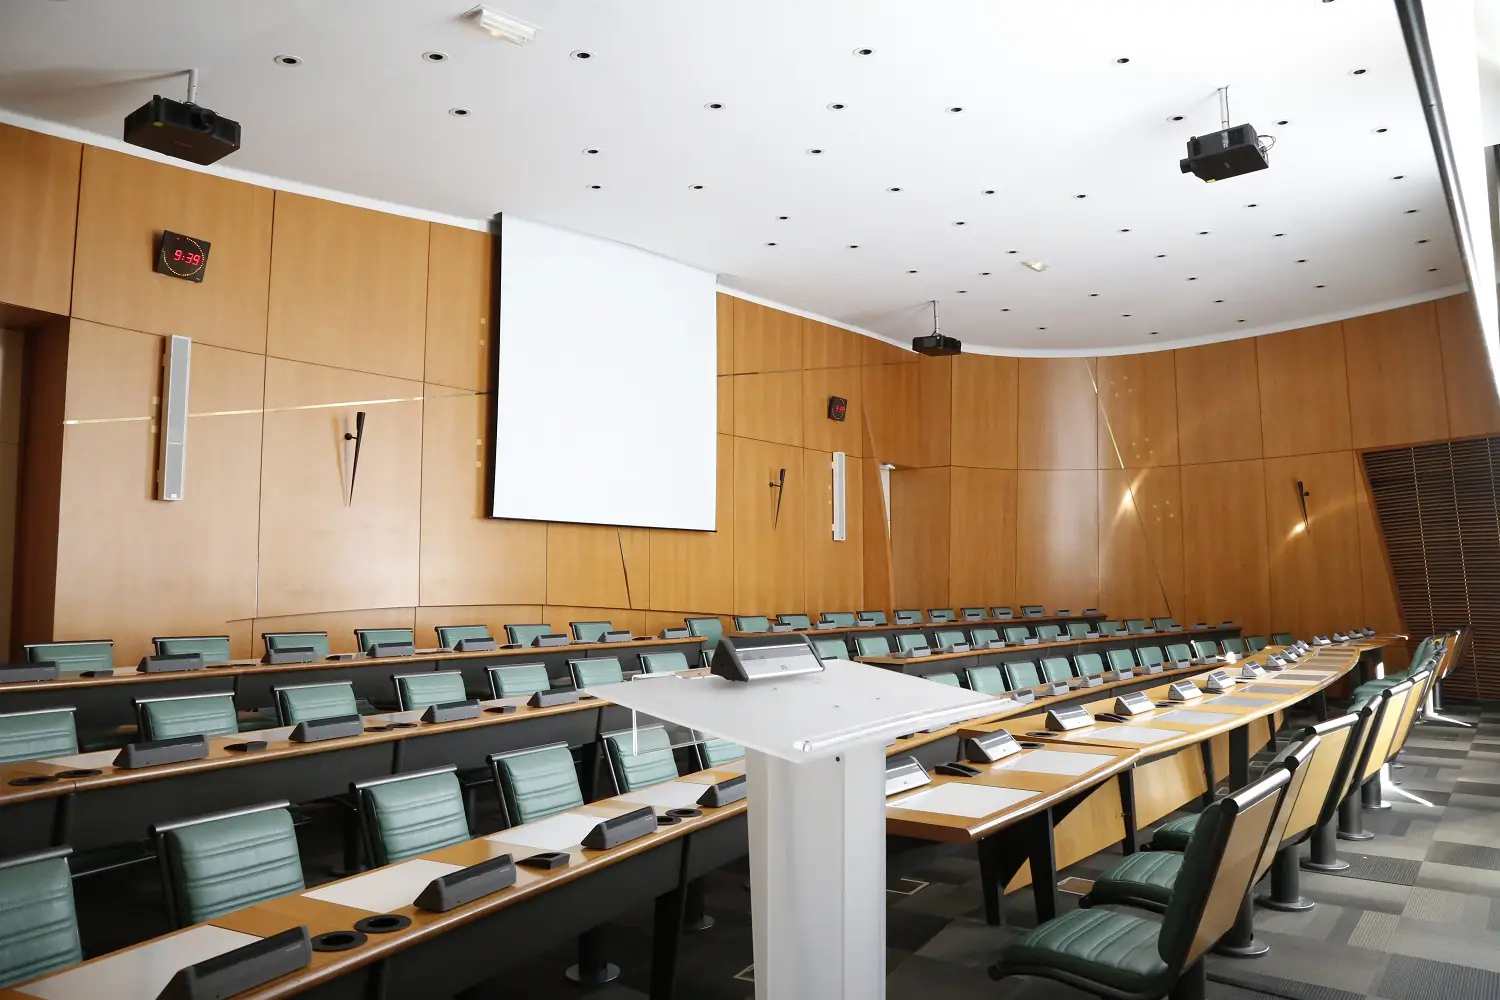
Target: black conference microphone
(780,487)
(358,437)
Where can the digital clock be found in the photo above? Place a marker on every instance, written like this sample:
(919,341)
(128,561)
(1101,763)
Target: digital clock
(838,407)
(181,256)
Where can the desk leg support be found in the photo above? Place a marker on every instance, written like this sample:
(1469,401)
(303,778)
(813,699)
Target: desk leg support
(1132,842)
(694,918)
(62,821)
(1286,883)
(1206,751)
(1325,849)
(1043,866)
(593,968)
(596,761)
(666,939)
(991,879)
(1240,942)
(1239,757)
(1352,818)
(1320,705)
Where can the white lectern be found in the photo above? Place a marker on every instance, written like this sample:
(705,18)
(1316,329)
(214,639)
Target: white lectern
(815,759)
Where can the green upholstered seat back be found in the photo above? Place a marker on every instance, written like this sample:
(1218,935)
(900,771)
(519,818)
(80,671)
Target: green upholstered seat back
(911,640)
(908,616)
(1077,630)
(188,715)
(651,763)
(1109,628)
(1149,656)
(715,752)
(230,862)
(596,670)
(830,649)
(949,679)
(410,816)
(367,637)
(843,619)
(534,784)
(435,687)
(1089,664)
(795,621)
(1056,668)
(590,631)
(979,635)
(872,645)
(871,618)
(448,636)
(1047,633)
(945,637)
(213,648)
(1234,645)
(1205,647)
(74,657)
(1178,652)
(1135,626)
(1017,633)
(519,680)
(710,629)
(1255,643)
(986,680)
(752,623)
(316,641)
(1167,624)
(306,702)
(1121,659)
(1022,674)
(1283,638)
(38,924)
(1000,614)
(521,635)
(668,662)
(941,615)
(35,735)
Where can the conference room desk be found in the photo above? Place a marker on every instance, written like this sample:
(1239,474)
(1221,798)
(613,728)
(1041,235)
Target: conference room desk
(890,629)
(105,702)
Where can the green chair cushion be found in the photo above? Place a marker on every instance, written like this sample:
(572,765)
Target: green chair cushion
(795,621)
(949,679)
(1047,633)
(1121,659)
(651,764)
(1000,614)
(1077,630)
(213,648)
(908,616)
(1109,628)
(367,637)
(843,619)
(717,752)
(535,784)
(449,635)
(519,680)
(35,735)
(307,702)
(979,635)
(1144,877)
(1178,652)
(1233,645)
(752,623)
(74,657)
(1149,655)
(871,618)
(1089,664)
(830,649)
(1135,626)
(911,640)
(945,637)
(317,641)
(590,631)
(1022,674)
(872,645)
(1116,949)
(521,635)
(1283,638)
(1056,668)
(1205,648)
(596,670)
(193,715)
(664,663)
(38,924)
(414,816)
(231,863)
(941,615)
(1174,834)
(1256,643)
(711,629)
(986,680)
(437,687)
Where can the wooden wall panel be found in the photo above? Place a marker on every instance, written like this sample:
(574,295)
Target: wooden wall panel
(339,625)
(818,431)
(458,347)
(1057,419)
(492,617)
(878,352)
(1218,400)
(1396,371)
(879,581)
(1224,544)
(1140,542)
(726,403)
(831,347)
(893,411)
(12,365)
(724,329)
(934,412)
(318,551)
(38,215)
(1057,537)
(1377,583)
(768,407)
(768,548)
(1315,570)
(595,565)
(635,621)
(766,339)
(984,411)
(348,287)
(920,499)
(41,463)
(1137,411)
(467,557)
(1473,407)
(1304,391)
(982,537)
(696,569)
(834,571)
(124,204)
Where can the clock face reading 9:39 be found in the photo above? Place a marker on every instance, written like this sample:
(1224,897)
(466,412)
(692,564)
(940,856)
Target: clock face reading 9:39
(182,256)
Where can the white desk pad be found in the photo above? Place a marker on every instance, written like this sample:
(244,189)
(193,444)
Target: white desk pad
(955,798)
(555,833)
(667,795)
(1306,678)
(1055,762)
(79,761)
(138,973)
(1127,734)
(1240,701)
(1188,717)
(384,889)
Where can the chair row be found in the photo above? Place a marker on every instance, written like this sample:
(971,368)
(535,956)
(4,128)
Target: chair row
(947,640)
(1021,674)
(903,616)
(211,865)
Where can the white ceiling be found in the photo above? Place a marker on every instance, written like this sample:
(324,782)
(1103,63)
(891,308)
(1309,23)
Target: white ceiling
(1049,114)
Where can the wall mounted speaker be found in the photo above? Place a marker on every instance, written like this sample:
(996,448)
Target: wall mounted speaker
(171,466)
(840,499)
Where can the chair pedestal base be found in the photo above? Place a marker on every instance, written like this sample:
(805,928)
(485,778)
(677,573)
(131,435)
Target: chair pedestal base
(1240,942)
(1192,985)
(1325,850)
(593,969)
(1369,794)
(1286,883)
(1352,819)
(693,917)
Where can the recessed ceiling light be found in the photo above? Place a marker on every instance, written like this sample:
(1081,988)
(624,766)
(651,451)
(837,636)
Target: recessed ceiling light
(988,191)
(287,60)
(1283,122)
(960,223)
(435,56)
(1421,241)
(835,107)
(1380,131)
(963,291)
(814,152)
(1124,315)
(695,187)
(1160,256)
(1358,72)
(955,111)
(581,54)
(1123,60)
(1192,279)
(893,190)
(1035,265)
(1432,269)
(1302,260)
(1154,333)
(1253,204)
(1399,177)
(714,106)
(1005,309)
(1175,118)
(1012,251)
(1203,232)
(770,244)
(864,52)
(1411,211)
(854,246)
(592,152)
(1218,302)
(783,218)
(1093,295)
(502,26)
(913,271)
(1278,234)
(459,112)
(1041,328)
(984,274)
(1239,321)
(1080,196)
(1320,286)
(595,187)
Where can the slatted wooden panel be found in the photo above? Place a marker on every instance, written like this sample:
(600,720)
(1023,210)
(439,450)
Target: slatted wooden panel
(1439,510)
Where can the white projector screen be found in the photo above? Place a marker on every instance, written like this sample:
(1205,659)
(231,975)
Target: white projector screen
(605,392)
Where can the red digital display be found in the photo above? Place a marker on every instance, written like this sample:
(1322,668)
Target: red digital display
(838,407)
(182,256)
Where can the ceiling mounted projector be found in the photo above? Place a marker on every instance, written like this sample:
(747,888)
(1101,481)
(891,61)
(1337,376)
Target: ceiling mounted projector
(1228,152)
(935,345)
(182,129)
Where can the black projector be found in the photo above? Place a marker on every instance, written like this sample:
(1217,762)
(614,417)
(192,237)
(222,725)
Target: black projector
(935,345)
(1226,153)
(185,131)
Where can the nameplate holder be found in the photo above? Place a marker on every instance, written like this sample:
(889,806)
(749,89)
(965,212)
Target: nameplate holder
(868,620)
(549,699)
(1135,703)
(990,644)
(1275,663)
(778,627)
(1200,626)
(151,753)
(475,645)
(291,654)
(453,711)
(973,616)
(467,884)
(1091,681)
(621,829)
(393,649)
(1023,697)
(42,670)
(618,635)
(1032,641)
(1062,720)
(1183,691)
(904,774)
(1091,635)
(1124,675)
(316,730)
(990,747)
(914,653)
(242,969)
(1368,631)
(546,861)
(1340,637)
(1151,669)
(1250,671)
(555,639)
(725,792)
(1056,689)
(1149,630)
(1322,640)
(1182,664)
(674,633)
(1219,681)
(820,626)
(957,647)
(171,662)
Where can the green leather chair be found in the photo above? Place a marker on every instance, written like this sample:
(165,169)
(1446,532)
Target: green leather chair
(941,615)
(711,630)
(715,752)
(908,641)
(596,671)
(1135,626)
(1088,664)
(448,636)
(843,619)
(36,735)
(986,680)
(1255,643)
(870,618)
(74,657)
(1109,628)
(669,662)
(795,621)
(535,783)
(1048,633)
(752,623)
(1179,652)
(1234,645)
(590,631)
(945,637)
(403,815)
(226,861)
(277,641)
(651,763)
(518,681)
(1056,668)
(186,715)
(871,645)
(415,692)
(309,702)
(1121,659)
(1121,956)
(1021,674)
(908,616)
(983,635)
(831,649)
(1425,650)
(949,679)
(1001,614)
(1205,648)
(1167,624)
(522,635)
(1149,656)
(213,648)
(38,923)
(1283,638)
(1017,633)
(1077,630)
(367,637)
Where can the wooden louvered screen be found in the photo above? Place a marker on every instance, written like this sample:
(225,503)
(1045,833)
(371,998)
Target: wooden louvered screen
(1439,510)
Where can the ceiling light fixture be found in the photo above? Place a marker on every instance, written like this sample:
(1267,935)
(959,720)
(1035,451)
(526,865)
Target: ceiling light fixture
(960,223)
(715,106)
(286,60)
(1123,60)
(894,190)
(1283,122)
(581,54)
(1380,131)
(988,191)
(502,26)
(783,218)
(955,111)
(1035,265)
(435,56)
(864,52)
(814,152)
(1358,72)
(695,187)
(835,107)
(592,152)
(459,112)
